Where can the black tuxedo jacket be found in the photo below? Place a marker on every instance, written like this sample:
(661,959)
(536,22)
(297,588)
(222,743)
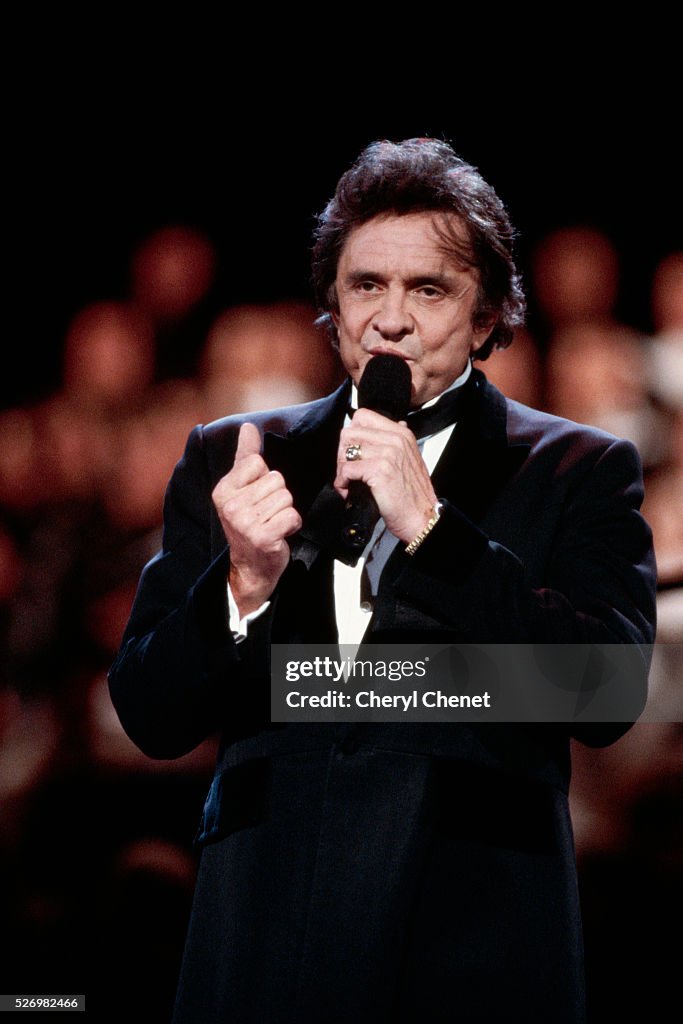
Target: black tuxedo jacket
(398,872)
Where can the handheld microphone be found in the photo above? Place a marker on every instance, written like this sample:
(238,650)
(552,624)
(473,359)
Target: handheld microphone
(385,388)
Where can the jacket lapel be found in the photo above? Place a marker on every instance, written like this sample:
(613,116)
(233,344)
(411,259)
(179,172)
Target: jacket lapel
(478,460)
(306,452)
(306,457)
(476,463)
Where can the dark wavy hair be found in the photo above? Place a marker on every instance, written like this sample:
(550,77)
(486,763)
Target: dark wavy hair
(426,175)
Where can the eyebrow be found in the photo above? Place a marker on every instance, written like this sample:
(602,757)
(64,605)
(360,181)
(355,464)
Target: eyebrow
(418,280)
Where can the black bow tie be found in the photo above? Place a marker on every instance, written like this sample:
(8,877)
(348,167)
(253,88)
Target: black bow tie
(449,408)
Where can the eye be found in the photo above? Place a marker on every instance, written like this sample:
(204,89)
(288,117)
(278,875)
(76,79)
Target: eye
(428,291)
(366,287)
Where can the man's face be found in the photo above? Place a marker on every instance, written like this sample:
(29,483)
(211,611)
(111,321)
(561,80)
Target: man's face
(399,293)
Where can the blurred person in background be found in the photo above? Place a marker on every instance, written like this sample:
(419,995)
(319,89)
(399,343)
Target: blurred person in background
(665,360)
(56,452)
(23,485)
(667,301)
(596,366)
(257,357)
(598,374)
(664,501)
(575,277)
(516,370)
(172,272)
(143,453)
(108,369)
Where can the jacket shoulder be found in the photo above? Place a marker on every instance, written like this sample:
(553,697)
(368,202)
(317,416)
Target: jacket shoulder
(526,425)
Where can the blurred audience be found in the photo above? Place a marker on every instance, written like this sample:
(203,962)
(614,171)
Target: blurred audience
(82,479)
(596,369)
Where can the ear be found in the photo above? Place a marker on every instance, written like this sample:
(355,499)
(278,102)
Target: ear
(480,335)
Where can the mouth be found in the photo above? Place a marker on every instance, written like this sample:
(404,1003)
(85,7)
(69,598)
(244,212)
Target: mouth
(381,351)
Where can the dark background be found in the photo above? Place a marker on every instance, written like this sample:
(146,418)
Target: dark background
(97,157)
(96,165)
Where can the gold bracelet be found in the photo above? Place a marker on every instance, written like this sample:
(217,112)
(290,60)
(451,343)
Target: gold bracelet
(416,541)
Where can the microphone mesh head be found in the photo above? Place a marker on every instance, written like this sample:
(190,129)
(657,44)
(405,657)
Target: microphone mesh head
(385,387)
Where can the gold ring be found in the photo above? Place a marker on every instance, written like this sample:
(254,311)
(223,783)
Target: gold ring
(354,453)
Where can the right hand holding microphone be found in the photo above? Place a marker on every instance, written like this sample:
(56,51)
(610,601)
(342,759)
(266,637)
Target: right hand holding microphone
(257,514)
(387,475)
(392,467)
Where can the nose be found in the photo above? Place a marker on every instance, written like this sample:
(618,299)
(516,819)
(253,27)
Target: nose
(392,319)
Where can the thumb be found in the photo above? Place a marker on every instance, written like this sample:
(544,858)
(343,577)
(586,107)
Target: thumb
(248,442)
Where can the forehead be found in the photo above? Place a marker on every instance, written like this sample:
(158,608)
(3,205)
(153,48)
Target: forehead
(413,240)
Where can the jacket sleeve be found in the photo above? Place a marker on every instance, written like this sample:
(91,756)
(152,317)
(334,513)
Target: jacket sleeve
(599,587)
(178,669)
(600,582)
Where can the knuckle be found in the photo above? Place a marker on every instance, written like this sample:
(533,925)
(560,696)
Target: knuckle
(232,507)
(222,488)
(254,462)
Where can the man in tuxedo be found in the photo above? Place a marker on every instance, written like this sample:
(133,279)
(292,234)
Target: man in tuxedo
(407,871)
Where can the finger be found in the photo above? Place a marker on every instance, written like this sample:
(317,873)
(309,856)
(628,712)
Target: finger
(376,472)
(248,442)
(355,471)
(257,489)
(247,515)
(400,438)
(286,522)
(271,505)
(283,524)
(375,421)
(248,470)
(374,456)
(367,471)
